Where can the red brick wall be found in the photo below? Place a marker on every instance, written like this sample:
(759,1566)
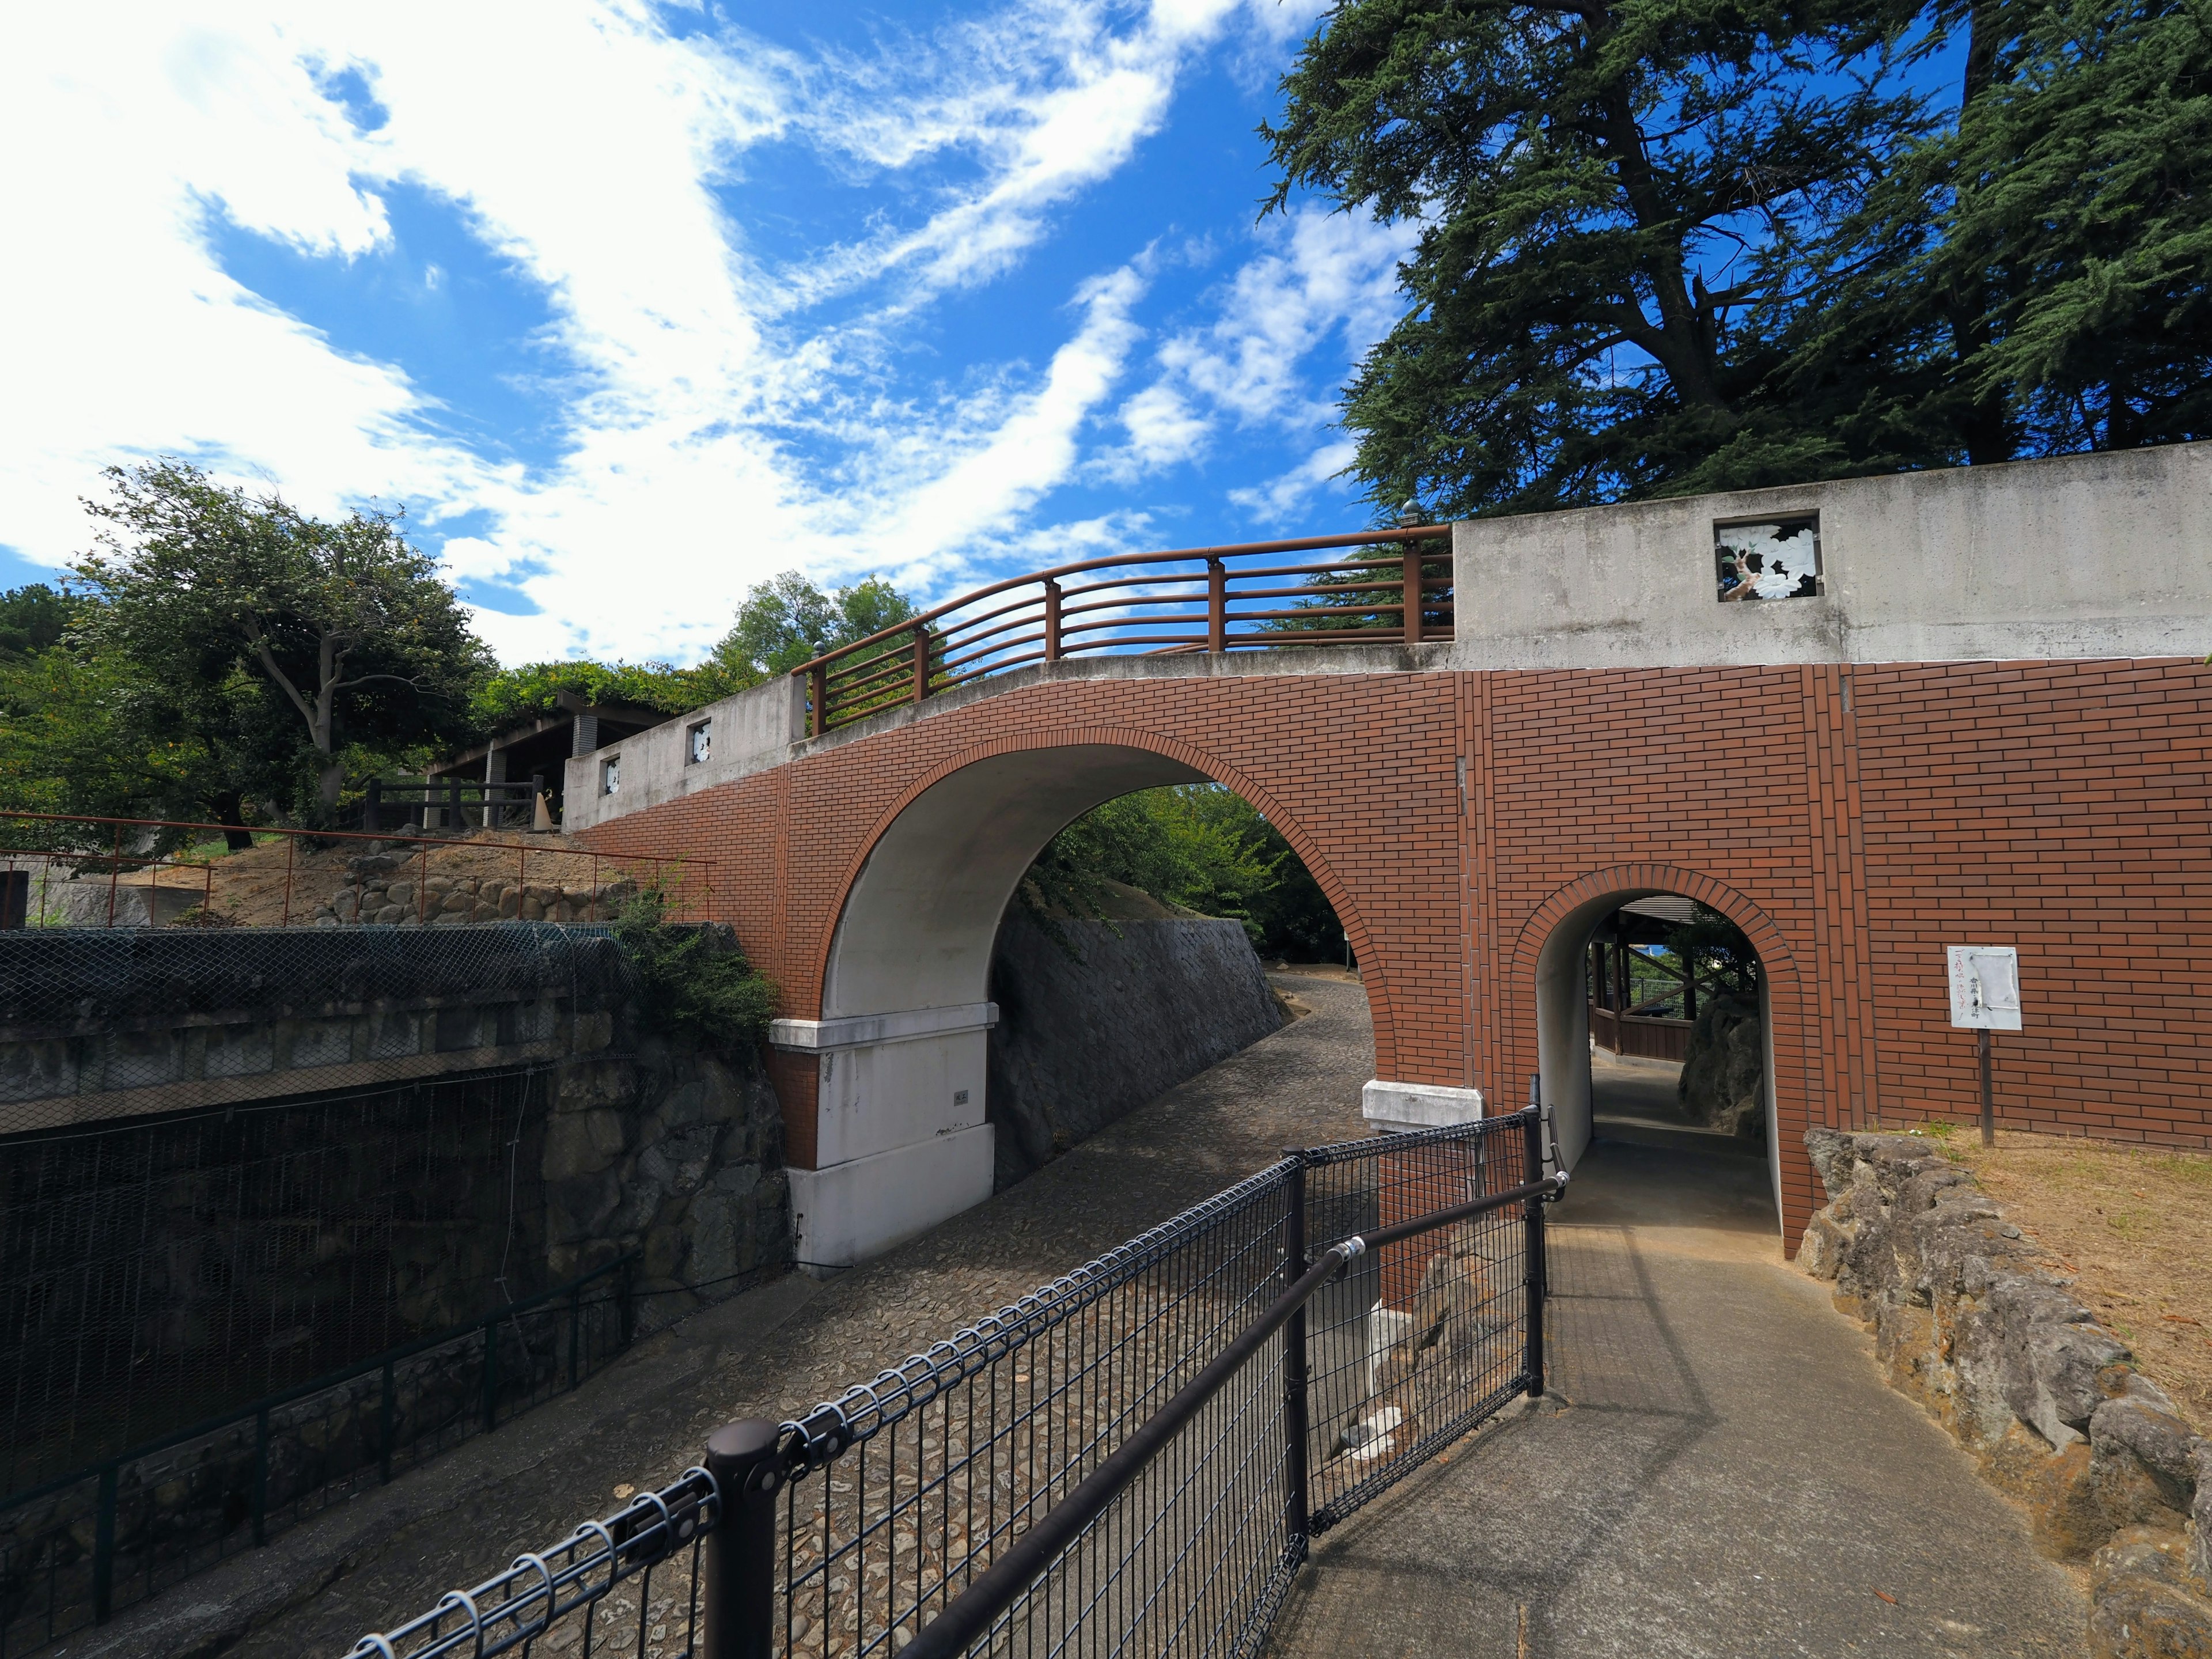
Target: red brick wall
(1853,820)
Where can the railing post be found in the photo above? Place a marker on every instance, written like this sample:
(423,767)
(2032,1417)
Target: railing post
(1051,620)
(103,1547)
(1412,592)
(1532,1244)
(818,694)
(1217,605)
(261,1496)
(739,1574)
(1295,1264)
(920,661)
(372,810)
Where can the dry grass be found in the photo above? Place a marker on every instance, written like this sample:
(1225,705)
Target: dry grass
(2132,1224)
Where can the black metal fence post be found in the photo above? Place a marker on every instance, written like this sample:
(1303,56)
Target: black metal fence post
(738,1578)
(371,809)
(1294,1357)
(1533,1170)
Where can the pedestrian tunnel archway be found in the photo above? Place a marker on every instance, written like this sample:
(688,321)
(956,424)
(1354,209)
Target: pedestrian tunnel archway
(1638,1035)
(901,1136)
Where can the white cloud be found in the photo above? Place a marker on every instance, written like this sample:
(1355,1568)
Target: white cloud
(591,149)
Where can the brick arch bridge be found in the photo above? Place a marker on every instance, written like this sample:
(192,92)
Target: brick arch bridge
(1856,786)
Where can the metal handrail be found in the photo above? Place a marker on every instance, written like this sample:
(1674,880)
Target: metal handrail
(974,1611)
(953,644)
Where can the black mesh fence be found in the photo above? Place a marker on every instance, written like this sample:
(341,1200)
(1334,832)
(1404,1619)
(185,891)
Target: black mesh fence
(900,1494)
(98,1024)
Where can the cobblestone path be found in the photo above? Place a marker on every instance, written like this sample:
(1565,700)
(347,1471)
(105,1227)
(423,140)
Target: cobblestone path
(773,1353)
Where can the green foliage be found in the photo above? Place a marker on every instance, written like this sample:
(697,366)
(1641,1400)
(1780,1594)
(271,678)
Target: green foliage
(788,621)
(1717,950)
(693,981)
(1578,169)
(2031,280)
(1675,245)
(360,646)
(33,619)
(1196,846)
(511,695)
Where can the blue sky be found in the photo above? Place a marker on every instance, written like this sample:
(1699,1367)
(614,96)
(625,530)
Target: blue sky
(633,305)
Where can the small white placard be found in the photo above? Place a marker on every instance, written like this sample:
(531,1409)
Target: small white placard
(1985,987)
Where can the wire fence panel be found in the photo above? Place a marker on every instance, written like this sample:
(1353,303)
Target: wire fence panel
(876,1510)
(158,1272)
(945,1460)
(1422,1340)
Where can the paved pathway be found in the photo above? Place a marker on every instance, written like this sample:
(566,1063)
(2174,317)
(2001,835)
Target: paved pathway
(1723,1473)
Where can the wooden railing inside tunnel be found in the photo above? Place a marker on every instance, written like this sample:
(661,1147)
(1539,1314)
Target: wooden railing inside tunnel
(1243,597)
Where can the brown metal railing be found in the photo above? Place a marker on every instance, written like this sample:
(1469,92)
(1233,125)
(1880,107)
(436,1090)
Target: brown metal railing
(1241,598)
(39,853)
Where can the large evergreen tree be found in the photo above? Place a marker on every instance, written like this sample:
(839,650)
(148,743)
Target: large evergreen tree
(1680,245)
(1608,192)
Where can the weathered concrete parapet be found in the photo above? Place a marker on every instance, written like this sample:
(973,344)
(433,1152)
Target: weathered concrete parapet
(100,1024)
(1969,1319)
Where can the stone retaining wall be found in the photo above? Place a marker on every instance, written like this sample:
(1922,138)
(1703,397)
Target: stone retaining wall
(388,890)
(1110,1015)
(1969,1318)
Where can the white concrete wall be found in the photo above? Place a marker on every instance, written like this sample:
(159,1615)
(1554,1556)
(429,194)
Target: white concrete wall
(752,731)
(2084,555)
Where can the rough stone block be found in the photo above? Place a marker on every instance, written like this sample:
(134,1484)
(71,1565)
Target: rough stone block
(582,1143)
(2140,1429)
(2143,1605)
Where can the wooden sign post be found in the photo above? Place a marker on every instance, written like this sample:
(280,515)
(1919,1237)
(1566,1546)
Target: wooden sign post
(1985,998)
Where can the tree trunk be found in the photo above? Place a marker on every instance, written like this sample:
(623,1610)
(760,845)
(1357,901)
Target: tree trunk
(230,809)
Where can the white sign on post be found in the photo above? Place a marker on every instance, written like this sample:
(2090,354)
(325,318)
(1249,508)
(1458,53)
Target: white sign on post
(1985,987)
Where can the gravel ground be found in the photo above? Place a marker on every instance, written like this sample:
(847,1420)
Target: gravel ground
(771,1353)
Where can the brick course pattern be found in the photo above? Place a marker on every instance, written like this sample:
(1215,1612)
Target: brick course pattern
(1853,819)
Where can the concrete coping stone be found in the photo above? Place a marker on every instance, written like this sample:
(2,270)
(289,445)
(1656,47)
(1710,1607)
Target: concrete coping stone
(1407,1108)
(866,1030)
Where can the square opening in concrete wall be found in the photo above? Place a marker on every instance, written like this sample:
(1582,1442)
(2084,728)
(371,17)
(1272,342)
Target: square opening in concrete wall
(611,775)
(1776,558)
(699,744)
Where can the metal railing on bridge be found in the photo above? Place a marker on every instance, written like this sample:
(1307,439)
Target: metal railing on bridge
(1243,597)
(1130,1461)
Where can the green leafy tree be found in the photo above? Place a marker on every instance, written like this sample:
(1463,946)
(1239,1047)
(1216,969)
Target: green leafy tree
(1609,193)
(360,643)
(788,621)
(2030,279)
(33,619)
(1198,846)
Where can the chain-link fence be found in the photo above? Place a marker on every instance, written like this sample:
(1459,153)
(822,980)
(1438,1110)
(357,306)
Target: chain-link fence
(102,1023)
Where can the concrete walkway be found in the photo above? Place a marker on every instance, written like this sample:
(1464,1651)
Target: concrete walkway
(1721,1471)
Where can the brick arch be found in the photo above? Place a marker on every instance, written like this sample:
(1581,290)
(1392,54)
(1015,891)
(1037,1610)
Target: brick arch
(1187,754)
(1789,1011)
(1773,947)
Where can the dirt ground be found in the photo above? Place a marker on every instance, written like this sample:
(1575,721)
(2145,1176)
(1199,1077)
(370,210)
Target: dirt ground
(2132,1224)
(283,878)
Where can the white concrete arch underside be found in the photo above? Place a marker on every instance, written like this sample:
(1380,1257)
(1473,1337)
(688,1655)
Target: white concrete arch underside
(901,1139)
